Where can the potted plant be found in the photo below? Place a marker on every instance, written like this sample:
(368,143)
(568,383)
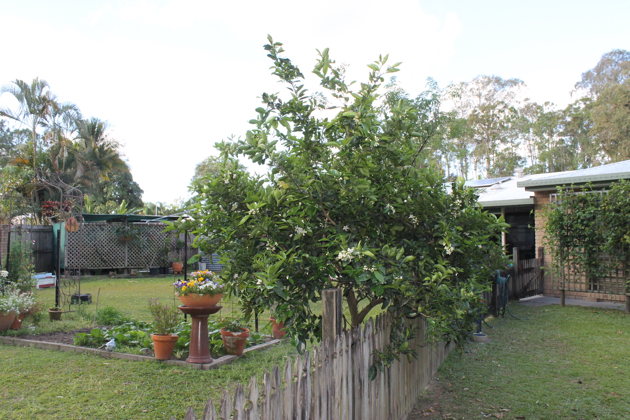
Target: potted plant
(55,313)
(203,289)
(9,307)
(127,232)
(277,328)
(234,336)
(177,264)
(165,321)
(24,303)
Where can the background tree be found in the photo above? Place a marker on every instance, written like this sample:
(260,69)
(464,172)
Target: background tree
(210,167)
(62,144)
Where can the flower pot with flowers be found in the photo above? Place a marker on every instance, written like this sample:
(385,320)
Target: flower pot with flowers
(201,290)
(165,321)
(13,305)
(234,335)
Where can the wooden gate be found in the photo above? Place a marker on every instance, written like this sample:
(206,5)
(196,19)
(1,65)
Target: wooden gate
(527,275)
(39,238)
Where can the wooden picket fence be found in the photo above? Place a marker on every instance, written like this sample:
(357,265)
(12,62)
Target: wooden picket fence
(332,383)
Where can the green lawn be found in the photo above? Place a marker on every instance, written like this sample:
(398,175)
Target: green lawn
(560,363)
(56,385)
(130,295)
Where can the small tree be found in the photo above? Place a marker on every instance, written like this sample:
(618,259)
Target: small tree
(346,204)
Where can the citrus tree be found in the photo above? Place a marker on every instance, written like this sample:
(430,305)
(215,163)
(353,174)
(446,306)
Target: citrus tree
(347,203)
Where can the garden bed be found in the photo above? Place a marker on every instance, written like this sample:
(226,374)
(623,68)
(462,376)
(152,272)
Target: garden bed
(59,341)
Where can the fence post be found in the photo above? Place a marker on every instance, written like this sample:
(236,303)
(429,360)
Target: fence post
(331,314)
(541,257)
(515,262)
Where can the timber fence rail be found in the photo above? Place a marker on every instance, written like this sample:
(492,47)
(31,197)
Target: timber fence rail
(331,382)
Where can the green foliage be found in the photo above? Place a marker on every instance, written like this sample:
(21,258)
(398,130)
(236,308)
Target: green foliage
(583,224)
(232,325)
(111,316)
(346,204)
(165,317)
(21,265)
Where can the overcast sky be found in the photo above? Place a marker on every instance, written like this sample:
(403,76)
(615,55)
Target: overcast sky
(174,77)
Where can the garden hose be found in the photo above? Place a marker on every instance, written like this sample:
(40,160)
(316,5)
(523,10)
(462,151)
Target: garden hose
(502,301)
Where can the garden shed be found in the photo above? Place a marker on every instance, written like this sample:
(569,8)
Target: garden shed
(121,243)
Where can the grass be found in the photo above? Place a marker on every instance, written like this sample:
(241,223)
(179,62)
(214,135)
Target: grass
(55,385)
(560,363)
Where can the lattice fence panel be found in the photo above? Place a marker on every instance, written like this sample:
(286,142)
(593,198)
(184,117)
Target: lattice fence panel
(97,246)
(145,252)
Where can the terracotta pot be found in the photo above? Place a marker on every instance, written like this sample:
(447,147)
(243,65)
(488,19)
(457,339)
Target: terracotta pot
(163,345)
(234,342)
(178,266)
(55,314)
(194,300)
(6,321)
(17,323)
(276,328)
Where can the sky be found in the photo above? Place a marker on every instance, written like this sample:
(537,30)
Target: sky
(172,78)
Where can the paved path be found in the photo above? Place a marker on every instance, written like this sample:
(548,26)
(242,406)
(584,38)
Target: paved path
(546,300)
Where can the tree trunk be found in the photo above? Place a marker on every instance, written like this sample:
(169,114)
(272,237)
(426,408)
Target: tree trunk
(356,316)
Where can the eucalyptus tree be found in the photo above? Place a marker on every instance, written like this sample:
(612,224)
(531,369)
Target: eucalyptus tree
(345,205)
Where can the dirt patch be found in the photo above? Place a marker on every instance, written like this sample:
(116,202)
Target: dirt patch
(55,337)
(428,405)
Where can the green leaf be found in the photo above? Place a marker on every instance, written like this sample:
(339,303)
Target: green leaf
(373,67)
(379,276)
(193,259)
(244,219)
(372,372)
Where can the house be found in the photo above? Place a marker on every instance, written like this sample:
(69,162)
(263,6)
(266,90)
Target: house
(521,198)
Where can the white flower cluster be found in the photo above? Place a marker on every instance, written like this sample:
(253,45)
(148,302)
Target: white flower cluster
(15,302)
(346,228)
(390,209)
(4,274)
(414,219)
(253,211)
(366,268)
(449,249)
(271,247)
(300,231)
(347,255)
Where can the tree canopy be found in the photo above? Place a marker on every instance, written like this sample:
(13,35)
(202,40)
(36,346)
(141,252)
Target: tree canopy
(348,204)
(52,140)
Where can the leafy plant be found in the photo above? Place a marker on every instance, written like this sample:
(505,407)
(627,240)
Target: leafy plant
(111,316)
(165,317)
(129,230)
(21,265)
(232,325)
(582,224)
(347,204)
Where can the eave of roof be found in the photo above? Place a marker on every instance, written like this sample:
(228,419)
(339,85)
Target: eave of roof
(93,218)
(551,183)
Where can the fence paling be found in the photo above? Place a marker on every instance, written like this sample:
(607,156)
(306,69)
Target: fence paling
(331,382)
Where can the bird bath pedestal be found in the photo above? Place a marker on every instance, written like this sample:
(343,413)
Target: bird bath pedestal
(199,342)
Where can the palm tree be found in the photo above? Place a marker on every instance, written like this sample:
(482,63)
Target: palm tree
(96,155)
(35,105)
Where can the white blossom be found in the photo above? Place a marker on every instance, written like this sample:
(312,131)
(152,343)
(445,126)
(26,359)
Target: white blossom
(300,231)
(346,228)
